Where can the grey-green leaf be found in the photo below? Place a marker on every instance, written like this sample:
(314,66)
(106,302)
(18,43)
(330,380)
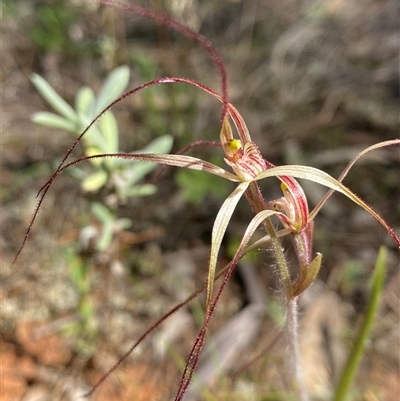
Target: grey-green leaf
(136,170)
(83,98)
(160,145)
(141,190)
(105,237)
(54,99)
(109,128)
(94,181)
(102,213)
(53,120)
(114,86)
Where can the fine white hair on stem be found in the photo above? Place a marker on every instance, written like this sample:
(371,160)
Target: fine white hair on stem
(294,360)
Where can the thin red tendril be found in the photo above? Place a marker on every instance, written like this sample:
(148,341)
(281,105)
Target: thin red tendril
(43,190)
(182,151)
(142,337)
(194,355)
(189,33)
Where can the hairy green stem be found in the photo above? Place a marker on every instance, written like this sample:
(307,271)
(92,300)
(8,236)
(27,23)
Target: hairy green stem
(292,324)
(256,200)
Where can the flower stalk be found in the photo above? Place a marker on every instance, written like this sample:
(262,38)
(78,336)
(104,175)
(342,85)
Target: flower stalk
(295,365)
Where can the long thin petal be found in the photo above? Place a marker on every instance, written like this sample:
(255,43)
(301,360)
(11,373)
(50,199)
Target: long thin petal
(349,166)
(250,230)
(186,31)
(320,177)
(220,224)
(193,358)
(233,112)
(239,122)
(294,195)
(190,162)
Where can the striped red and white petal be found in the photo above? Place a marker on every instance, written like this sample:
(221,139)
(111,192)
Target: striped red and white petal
(219,228)
(322,178)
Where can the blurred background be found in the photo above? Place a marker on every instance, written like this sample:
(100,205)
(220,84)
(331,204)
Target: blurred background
(316,82)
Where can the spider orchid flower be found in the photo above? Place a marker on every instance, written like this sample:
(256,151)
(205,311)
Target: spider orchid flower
(245,159)
(292,209)
(248,165)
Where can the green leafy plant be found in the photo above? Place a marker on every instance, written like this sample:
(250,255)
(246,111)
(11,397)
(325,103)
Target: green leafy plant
(119,177)
(106,179)
(247,167)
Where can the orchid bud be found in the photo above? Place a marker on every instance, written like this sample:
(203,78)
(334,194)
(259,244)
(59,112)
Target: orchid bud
(293,205)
